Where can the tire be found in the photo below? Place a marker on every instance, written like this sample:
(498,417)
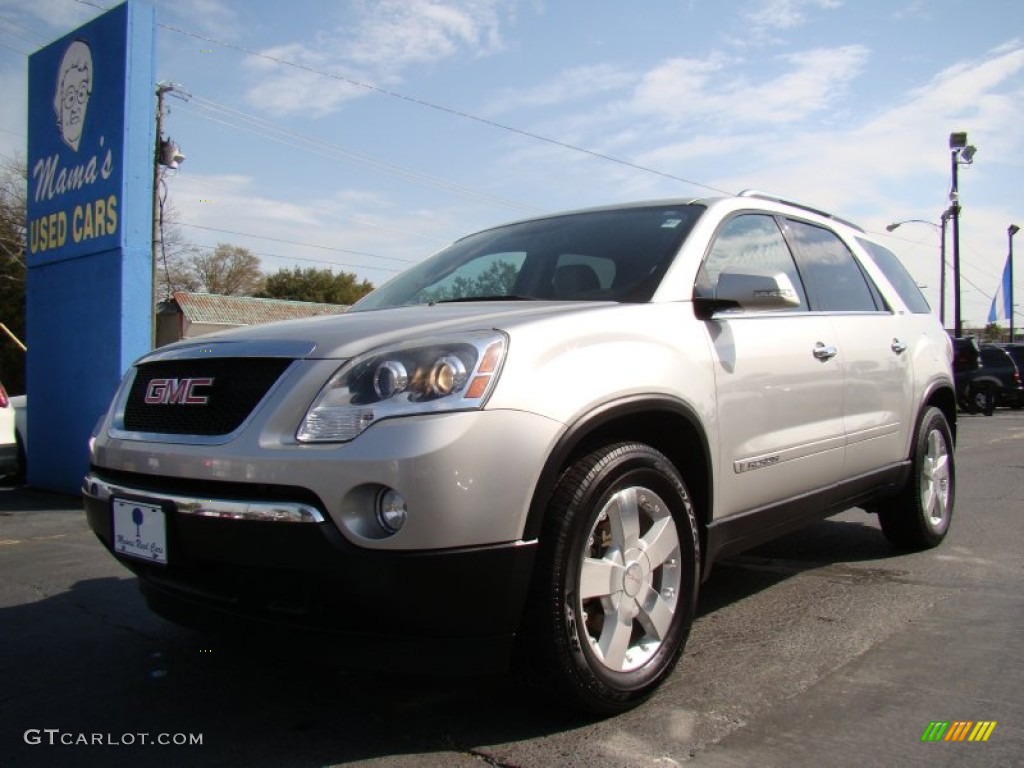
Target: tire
(615,587)
(21,474)
(983,400)
(918,517)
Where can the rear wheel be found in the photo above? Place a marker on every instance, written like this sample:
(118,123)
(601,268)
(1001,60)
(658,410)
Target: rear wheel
(617,577)
(983,400)
(918,517)
(21,474)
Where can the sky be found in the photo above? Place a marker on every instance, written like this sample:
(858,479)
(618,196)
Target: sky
(363,135)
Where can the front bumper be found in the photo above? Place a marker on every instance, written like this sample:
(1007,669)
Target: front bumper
(455,609)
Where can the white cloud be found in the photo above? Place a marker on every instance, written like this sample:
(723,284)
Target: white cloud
(572,85)
(201,199)
(764,18)
(300,86)
(386,38)
(784,14)
(214,17)
(393,34)
(57,15)
(681,90)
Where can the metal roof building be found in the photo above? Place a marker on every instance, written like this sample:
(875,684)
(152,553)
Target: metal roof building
(187,315)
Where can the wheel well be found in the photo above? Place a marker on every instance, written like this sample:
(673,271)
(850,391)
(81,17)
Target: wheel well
(945,400)
(671,430)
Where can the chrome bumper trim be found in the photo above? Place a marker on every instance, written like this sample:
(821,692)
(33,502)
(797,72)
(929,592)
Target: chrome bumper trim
(268,511)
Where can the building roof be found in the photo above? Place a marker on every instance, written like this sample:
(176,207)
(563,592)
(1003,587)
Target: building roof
(214,309)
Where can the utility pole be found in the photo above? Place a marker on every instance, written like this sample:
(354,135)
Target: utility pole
(1011,230)
(942,266)
(165,153)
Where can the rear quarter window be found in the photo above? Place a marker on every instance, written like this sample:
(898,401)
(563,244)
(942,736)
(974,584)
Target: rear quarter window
(898,276)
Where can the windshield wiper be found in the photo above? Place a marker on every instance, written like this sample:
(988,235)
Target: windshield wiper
(492,297)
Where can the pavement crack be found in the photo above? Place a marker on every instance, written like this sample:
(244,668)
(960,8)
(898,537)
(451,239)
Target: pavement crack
(490,760)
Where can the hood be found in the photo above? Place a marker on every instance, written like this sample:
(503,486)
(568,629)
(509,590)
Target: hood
(346,335)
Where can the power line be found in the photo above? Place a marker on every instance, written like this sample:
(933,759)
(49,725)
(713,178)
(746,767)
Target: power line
(35,32)
(302,258)
(12,48)
(234,118)
(430,105)
(438,107)
(296,242)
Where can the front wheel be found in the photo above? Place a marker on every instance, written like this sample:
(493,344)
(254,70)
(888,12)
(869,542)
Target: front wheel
(918,517)
(616,582)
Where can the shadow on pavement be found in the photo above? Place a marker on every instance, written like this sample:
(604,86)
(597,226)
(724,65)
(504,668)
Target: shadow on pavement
(94,660)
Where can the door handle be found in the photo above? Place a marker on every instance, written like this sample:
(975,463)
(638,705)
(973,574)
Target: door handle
(825,352)
(898,347)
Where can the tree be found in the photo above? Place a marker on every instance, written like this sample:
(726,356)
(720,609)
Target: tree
(13,190)
(992,332)
(174,254)
(497,280)
(312,284)
(229,270)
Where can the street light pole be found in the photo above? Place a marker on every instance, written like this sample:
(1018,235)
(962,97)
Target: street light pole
(942,266)
(942,254)
(1011,230)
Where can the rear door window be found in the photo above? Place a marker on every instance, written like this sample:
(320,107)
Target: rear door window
(833,278)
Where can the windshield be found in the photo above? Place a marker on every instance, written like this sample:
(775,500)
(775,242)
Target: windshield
(614,255)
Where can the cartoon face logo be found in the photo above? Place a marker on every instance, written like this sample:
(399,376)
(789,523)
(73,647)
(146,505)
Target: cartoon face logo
(74,85)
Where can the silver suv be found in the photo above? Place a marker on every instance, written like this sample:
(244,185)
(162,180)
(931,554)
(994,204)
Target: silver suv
(532,446)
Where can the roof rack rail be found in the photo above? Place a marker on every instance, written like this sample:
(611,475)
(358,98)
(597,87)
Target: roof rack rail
(801,206)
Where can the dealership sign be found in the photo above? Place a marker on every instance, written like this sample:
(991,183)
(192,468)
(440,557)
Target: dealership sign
(77,108)
(89,297)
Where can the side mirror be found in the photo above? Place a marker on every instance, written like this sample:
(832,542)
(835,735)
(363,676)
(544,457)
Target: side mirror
(751,289)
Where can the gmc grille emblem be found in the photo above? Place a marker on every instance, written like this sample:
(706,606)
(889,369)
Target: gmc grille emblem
(177,391)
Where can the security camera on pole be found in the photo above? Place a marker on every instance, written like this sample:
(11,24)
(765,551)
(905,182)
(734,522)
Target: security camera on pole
(961,153)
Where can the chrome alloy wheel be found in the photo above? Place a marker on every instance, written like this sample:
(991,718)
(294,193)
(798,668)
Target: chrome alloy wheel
(935,481)
(630,578)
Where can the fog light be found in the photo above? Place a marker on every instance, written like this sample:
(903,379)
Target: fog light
(391,510)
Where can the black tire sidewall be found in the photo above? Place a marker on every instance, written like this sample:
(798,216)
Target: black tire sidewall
(615,468)
(933,420)
(983,400)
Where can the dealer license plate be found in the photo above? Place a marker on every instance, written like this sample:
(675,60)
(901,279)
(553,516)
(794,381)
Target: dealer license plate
(140,530)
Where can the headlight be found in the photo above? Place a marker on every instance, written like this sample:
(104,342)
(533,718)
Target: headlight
(425,376)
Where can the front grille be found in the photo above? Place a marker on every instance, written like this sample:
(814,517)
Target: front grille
(217,408)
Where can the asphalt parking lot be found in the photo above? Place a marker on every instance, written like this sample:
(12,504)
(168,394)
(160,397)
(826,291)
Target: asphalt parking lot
(822,648)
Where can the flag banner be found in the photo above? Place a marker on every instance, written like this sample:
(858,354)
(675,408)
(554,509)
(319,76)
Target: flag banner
(1001,308)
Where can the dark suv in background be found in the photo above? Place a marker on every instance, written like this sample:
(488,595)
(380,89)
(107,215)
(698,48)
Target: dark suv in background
(996,381)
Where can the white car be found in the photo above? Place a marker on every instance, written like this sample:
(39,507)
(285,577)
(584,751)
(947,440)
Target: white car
(8,441)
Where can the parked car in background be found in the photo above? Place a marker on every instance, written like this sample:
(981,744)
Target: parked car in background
(995,382)
(966,359)
(1016,351)
(20,405)
(8,441)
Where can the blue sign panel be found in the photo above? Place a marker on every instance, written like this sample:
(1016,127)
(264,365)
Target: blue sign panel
(89,299)
(75,168)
